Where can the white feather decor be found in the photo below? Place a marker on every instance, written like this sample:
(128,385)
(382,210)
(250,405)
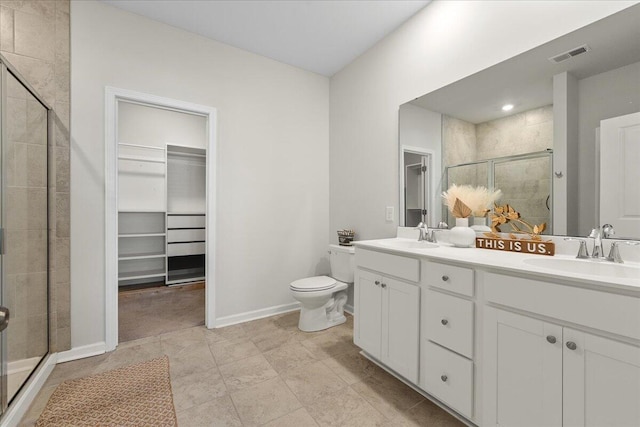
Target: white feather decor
(477,199)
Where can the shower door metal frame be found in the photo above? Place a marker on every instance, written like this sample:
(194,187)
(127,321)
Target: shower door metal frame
(491,174)
(7,69)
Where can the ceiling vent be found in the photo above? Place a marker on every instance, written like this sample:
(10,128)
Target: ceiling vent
(570,54)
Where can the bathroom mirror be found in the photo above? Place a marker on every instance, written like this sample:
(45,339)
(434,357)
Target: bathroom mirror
(543,152)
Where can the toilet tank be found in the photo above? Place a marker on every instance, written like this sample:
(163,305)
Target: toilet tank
(343,262)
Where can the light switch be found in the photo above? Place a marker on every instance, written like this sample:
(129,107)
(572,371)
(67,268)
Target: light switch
(389,213)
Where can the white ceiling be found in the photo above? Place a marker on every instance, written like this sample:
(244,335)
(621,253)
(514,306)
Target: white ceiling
(526,80)
(320,36)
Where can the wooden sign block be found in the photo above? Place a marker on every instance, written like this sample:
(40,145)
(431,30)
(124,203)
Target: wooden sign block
(536,247)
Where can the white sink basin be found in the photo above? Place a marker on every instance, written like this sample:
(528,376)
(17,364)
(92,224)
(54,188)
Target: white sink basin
(407,244)
(588,267)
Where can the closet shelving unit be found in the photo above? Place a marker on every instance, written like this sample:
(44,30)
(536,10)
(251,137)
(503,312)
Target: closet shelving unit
(141,216)
(186,219)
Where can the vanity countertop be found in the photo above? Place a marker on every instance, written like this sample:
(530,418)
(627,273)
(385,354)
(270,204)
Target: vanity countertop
(591,273)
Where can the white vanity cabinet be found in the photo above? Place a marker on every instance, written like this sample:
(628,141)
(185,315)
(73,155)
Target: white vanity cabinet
(553,373)
(447,335)
(387,310)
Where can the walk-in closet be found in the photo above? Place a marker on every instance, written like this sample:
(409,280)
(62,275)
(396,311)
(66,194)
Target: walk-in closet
(161,197)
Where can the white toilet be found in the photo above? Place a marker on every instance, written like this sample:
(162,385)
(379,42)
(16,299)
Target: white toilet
(322,297)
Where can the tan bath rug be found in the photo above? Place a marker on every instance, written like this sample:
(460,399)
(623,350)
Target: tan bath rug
(136,395)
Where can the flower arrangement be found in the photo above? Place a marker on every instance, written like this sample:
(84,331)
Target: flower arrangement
(465,200)
(506,214)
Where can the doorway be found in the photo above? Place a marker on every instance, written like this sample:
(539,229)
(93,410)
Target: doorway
(416,176)
(160,191)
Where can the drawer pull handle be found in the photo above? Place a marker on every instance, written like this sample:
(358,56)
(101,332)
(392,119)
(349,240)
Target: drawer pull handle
(377,282)
(444,378)
(444,321)
(384,285)
(445,278)
(551,339)
(571,345)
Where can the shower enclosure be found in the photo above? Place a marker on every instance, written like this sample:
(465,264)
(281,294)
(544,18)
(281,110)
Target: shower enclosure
(24,225)
(525,181)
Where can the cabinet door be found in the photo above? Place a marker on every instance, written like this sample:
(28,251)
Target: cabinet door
(522,371)
(400,323)
(368,303)
(601,381)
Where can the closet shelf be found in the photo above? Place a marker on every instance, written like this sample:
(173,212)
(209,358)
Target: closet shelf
(141,274)
(142,235)
(141,256)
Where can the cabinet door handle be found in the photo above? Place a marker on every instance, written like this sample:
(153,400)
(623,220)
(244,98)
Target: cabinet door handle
(444,378)
(445,278)
(444,321)
(384,285)
(571,345)
(377,282)
(551,339)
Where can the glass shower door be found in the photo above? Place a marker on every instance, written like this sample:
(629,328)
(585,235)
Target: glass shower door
(24,262)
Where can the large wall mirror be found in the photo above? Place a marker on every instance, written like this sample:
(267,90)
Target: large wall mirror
(557,129)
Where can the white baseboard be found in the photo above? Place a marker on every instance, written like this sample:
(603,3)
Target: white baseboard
(348,308)
(25,398)
(82,352)
(22,365)
(256,314)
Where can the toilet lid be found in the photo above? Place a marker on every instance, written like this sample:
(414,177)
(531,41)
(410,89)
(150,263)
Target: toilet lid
(317,283)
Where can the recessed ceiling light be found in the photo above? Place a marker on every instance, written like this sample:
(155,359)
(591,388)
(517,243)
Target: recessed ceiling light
(507,107)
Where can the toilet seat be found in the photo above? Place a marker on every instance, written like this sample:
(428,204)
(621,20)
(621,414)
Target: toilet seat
(312,284)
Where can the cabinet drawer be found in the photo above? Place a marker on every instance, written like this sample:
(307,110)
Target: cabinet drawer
(186,221)
(449,377)
(393,265)
(181,249)
(187,235)
(448,321)
(618,314)
(449,277)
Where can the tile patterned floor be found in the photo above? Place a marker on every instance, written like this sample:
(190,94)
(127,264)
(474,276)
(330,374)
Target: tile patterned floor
(267,373)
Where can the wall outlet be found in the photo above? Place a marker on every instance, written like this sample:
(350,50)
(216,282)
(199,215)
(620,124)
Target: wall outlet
(389,213)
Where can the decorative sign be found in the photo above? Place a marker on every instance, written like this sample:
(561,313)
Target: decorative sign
(537,247)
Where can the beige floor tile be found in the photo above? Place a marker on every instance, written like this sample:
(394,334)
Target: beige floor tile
(130,355)
(425,413)
(195,389)
(387,394)
(176,341)
(75,369)
(260,326)
(270,339)
(247,372)
(228,351)
(352,367)
(233,332)
(289,356)
(216,412)
(312,382)
(299,418)
(345,408)
(264,402)
(328,345)
(190,360)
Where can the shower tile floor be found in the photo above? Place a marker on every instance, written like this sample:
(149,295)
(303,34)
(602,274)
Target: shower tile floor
(266,372)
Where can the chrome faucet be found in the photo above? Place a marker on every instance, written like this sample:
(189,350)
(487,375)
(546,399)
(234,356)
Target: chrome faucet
(428,234)
(597,234)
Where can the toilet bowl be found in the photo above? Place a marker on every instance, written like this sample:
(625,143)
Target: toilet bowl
(322,298)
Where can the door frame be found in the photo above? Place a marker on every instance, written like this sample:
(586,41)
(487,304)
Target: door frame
(112,96)
(430,190)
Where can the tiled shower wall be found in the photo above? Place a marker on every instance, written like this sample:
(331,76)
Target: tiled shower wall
(525,184)
(34,38)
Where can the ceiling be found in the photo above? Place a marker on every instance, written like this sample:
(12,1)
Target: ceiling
(320,36)
(526,80)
